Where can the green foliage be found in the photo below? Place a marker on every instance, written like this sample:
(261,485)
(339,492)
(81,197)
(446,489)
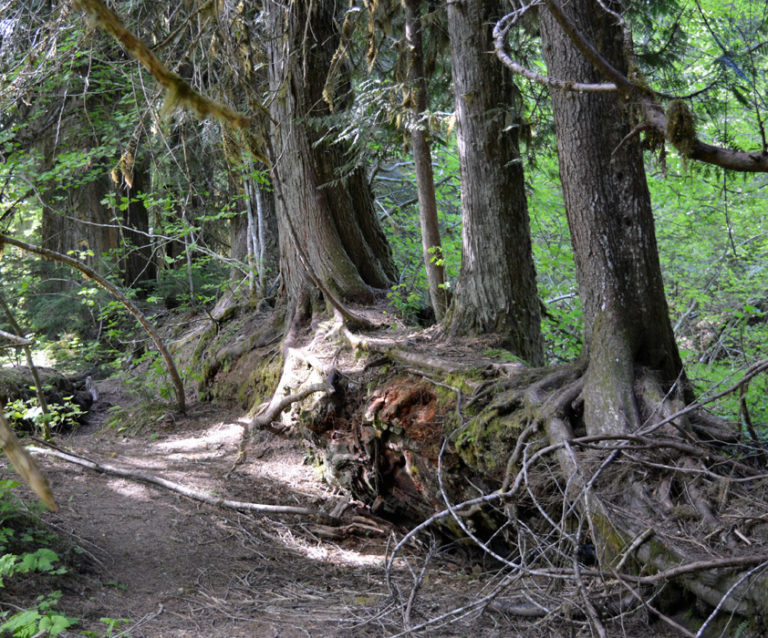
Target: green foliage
(713,238)
(41,618)
(44,297)
(25,550)
(112,625)
(504,355)
(61,416)
(562,321)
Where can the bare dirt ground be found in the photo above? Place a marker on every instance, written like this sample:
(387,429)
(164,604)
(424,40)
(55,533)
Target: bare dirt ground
(176,568)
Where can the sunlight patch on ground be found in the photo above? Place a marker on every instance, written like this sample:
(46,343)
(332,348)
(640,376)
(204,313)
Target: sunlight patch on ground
(211,439)
(131,489)
(288,471)
(331,553)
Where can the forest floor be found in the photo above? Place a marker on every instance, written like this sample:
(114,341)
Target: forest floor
(174,567)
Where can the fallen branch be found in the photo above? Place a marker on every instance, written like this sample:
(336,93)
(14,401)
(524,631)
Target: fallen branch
(244,506)
(15,340)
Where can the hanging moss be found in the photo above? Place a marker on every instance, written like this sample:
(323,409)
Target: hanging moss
(681,127)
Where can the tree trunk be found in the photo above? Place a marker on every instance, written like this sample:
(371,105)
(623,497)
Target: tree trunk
(326,208)
(496,292)
(422,159)
(137,264)
(74,218)
(253,237)
(66,208)
(612,229)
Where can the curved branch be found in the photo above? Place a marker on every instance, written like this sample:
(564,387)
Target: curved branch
(742,161)
(500,32)
(589,51)
(117,294)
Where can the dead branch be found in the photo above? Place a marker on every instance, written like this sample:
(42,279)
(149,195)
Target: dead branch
(244,506)
(15,340)
(500,32)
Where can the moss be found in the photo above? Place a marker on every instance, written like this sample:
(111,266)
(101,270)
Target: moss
(489,438)
(464,381)
(261,383)
(612,542)
(681,127)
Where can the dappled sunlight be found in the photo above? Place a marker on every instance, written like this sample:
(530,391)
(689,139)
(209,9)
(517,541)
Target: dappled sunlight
(331,553)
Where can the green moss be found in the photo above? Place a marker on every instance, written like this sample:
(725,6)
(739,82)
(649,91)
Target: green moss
(488,440)
(464,381)
(681,127)
(261,383)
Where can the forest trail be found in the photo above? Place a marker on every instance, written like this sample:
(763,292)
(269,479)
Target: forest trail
(176,568)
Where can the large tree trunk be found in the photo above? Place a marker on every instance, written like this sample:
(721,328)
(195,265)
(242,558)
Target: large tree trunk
(634,377)
(319,204)
(609,212)
(496,292)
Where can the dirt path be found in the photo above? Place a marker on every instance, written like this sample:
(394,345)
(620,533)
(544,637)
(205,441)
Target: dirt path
(177,568)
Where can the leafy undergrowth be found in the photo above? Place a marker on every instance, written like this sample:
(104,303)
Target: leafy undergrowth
(30,560)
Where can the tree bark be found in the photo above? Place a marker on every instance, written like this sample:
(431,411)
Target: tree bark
(422,159)
(136,264)
(496,292)
(74,218)
(612,229)
(327,209)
